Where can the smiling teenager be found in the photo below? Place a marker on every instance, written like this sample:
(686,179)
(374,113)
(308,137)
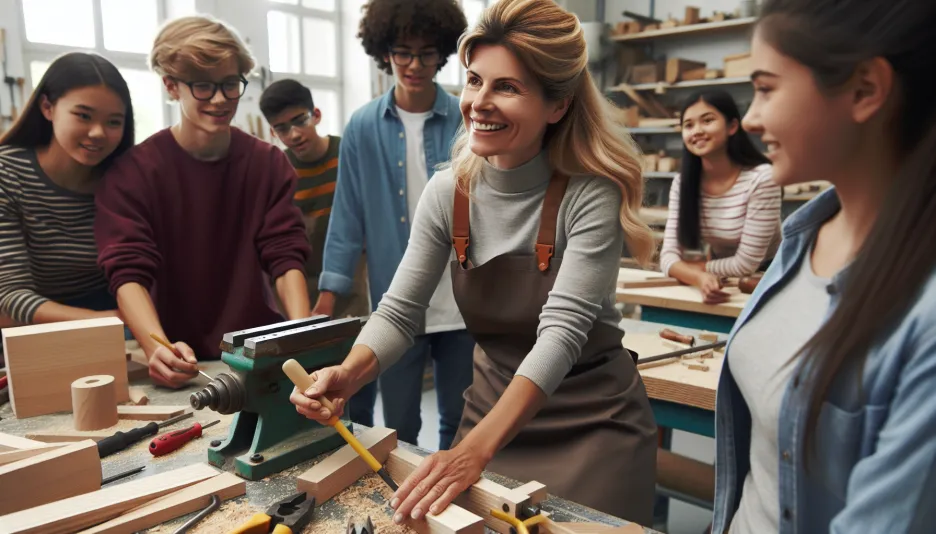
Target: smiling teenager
(825,412)
(543,164)
(288,107)
(192,220)
(78,120)
(390,147)
(723,200)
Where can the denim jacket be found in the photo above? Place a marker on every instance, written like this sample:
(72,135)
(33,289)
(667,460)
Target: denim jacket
(875,465)
(369,207)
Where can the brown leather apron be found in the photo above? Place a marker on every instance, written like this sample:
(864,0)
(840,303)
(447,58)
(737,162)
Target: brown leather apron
(594,441)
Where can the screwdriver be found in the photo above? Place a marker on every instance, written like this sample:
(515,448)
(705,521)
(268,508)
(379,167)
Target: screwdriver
(173,440)
(121,440)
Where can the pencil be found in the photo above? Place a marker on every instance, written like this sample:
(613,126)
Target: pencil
(169,346)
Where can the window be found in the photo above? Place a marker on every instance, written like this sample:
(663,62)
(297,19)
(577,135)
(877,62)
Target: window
(319,48)
(321,5)
(283,31)
(145,93)
(327,102)
(60,22)
(120,30)
(453,74)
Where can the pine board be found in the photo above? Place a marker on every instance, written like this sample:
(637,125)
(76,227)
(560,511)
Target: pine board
(675,382)
(150,412)
(55,474)
(684,298)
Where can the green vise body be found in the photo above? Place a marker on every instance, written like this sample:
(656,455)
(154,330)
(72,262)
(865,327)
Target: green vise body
(267,435)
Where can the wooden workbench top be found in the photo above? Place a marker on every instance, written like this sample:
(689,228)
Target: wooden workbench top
(676,382)
(683,298)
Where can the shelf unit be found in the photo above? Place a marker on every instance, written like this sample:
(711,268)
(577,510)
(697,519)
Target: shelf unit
(662,87)
(705,27)
(652,131)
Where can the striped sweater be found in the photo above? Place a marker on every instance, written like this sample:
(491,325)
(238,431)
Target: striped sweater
(47,248)
(741,227)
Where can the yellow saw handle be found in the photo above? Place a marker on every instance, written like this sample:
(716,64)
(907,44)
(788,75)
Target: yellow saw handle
(303,381)
(258,524)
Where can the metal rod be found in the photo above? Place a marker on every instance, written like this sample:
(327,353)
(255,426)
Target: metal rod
(215,502)
(118,476)
(681,352)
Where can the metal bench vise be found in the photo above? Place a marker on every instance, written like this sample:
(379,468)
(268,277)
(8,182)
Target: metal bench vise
(267,435)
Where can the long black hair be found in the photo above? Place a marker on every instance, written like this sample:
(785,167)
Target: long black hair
(832,38)
(741,151)
(70,71)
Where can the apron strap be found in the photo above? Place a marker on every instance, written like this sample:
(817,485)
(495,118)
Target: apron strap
(546,240)
(460,227)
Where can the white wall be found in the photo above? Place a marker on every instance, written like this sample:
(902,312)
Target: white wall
(9,21)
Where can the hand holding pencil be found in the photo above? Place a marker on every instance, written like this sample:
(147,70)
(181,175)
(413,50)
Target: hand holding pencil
(172,365)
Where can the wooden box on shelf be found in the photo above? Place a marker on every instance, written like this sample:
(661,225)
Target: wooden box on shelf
(738,65)
(677,67)
(647,72)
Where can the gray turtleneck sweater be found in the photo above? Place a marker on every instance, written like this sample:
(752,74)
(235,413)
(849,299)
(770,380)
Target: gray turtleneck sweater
(505,216)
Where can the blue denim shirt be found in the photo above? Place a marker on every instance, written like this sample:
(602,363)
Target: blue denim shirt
(875,464)
(369,207)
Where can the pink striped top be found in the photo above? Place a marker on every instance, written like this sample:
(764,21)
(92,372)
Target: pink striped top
(742,226)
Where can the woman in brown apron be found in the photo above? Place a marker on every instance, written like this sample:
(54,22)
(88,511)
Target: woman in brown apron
(534,250)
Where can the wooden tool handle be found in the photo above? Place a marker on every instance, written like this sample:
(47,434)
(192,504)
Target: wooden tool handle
(666,333)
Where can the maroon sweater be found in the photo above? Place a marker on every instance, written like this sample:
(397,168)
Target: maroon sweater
(200,236)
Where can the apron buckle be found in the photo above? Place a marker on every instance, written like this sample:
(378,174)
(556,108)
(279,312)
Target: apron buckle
(543,253)
(461,248)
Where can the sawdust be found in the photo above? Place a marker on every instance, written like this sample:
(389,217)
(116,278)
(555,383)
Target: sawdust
(226,518)
(369,496)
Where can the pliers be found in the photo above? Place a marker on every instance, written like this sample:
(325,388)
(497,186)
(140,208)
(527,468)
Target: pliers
(288,516)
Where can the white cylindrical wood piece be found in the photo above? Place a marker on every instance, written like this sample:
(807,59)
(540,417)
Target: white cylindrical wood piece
(94,402)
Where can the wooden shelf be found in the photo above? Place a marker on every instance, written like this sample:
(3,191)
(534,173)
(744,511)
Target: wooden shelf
(660,174)
(652,131)
(708,27)
(684,85)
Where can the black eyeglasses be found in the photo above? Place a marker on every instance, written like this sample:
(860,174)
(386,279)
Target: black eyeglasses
(427,59)
(232,89)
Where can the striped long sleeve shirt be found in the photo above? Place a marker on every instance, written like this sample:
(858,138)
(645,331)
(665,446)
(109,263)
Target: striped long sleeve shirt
(741,226)
(47,248)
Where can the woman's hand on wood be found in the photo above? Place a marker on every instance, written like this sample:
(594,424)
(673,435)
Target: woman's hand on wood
(436,482)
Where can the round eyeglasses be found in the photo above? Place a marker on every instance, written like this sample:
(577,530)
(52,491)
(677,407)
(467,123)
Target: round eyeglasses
(427,59)
(232,89)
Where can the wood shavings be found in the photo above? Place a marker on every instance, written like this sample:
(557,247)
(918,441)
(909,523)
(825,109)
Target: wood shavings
(369,496)
(226,518)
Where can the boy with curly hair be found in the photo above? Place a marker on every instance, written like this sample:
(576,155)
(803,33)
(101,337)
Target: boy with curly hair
(388,151)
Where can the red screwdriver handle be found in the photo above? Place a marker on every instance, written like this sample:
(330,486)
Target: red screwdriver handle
(173,440)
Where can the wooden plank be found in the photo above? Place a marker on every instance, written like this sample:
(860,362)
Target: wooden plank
(21,454)
(9,442)
(150,412)
(43,360)
(657,282)
(553,527)
(55,474)
(651,107)
(69,436)
(335,473)
(196,497)
(83,511)
(676,67)
(684,298)
(675,383)
(480,498)
(712,27)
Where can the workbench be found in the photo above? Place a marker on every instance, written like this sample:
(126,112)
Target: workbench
(259,493)
(682,306)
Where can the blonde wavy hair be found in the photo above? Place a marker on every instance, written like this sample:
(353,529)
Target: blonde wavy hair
(591,137)
(196,43)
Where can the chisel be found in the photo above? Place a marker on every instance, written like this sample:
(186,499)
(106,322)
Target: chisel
(121,440)
(303,381)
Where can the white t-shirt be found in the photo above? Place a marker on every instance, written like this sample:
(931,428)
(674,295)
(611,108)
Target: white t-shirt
(443,314)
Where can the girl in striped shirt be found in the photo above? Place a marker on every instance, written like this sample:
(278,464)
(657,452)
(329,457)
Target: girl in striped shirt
(724,208)
(78,120)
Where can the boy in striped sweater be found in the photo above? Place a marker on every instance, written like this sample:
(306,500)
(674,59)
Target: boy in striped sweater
(289,108)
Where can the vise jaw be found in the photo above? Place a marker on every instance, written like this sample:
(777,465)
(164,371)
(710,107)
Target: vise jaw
(267,435)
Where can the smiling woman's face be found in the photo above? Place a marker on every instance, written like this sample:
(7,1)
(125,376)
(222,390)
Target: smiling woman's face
(504,109)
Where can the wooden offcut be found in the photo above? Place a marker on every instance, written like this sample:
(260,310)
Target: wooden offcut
(68,436)
(138,396)
(94,402)
(43,360)
(335,473)
(676,67)
(738,65)
(9,442)
(692,15)
(55,474)
(83,511)
(193,498)
(21,454)
(150,412)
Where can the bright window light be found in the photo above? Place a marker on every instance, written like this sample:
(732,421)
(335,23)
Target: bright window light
(129,25)
(283,34)
(319,40)
(60,22)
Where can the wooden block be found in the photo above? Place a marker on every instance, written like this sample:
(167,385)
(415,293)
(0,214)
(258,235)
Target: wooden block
(692,15)
(649,105)
(694,74)
(632,26)
(43,360)
(83,511)
(673,345)
(150,412)
(535,490)
(675,67)
(55,474)
(713,74)
(21,454)
(667,165)
(94,402)
(669,23)
(695,366)
(709,337)
(69,436)
(651,27)
(335,473)
(9,442)
(137,371)
(719,16)
(647,72)
(738,65)
(138,396)
(706,354)
(480,498)
(196,497)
